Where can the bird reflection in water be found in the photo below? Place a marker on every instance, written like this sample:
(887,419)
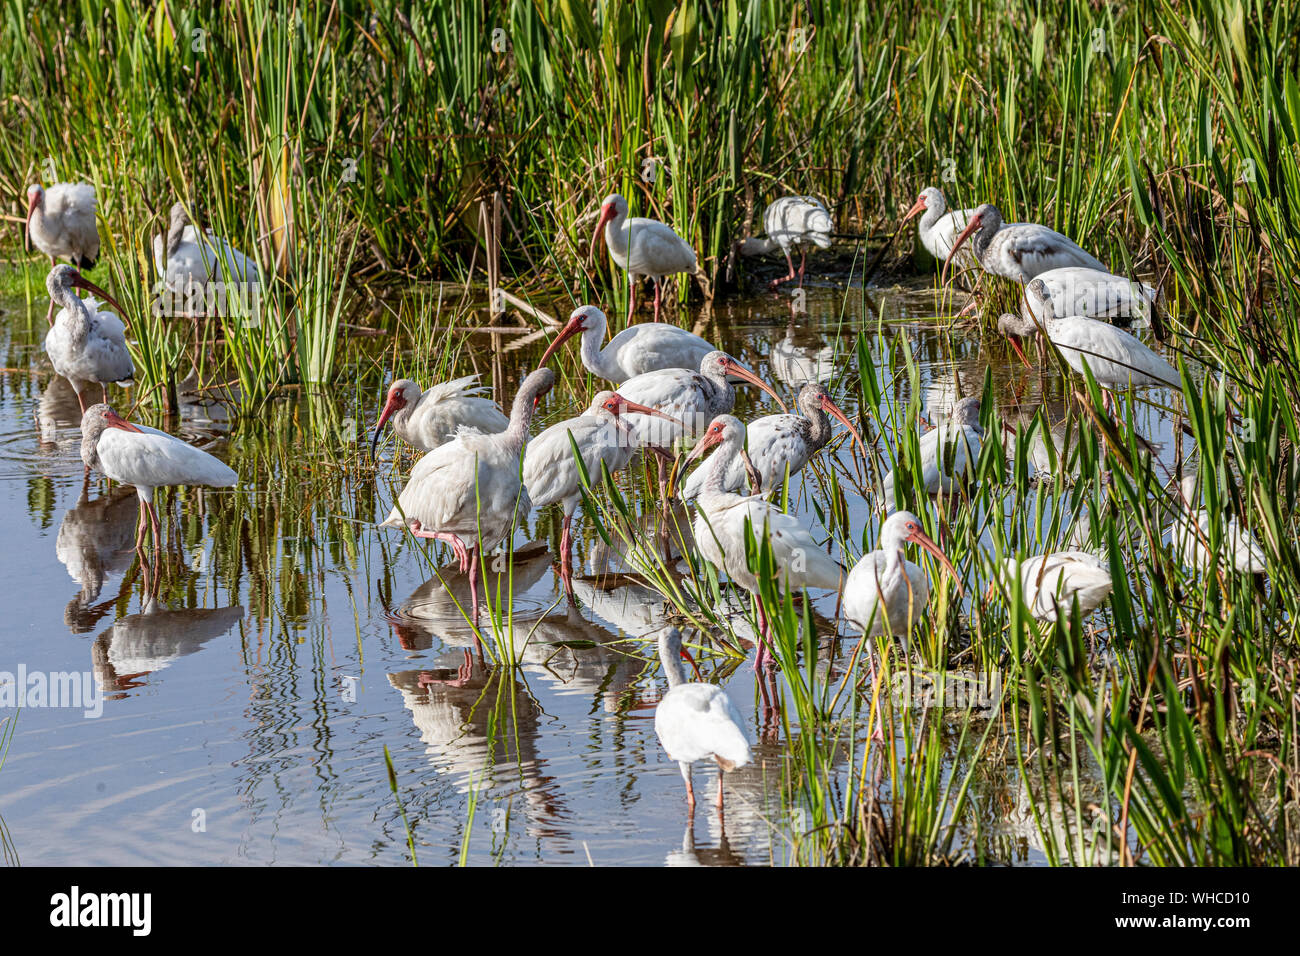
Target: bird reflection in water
(142,644)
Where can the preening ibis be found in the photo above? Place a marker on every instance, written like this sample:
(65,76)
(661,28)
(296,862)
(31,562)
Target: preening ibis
(697,721)
(939,228)
(1019,251)
(642,248)
(189,260)
(885,593)
(948,452)
(638,349)
(61,224)
(1189,535)
(720,518)
(431,418)
(791,222)
(1076,290)
(146,458)
(782,443)
(469,488)
(551,473)
(85,344)
(1050,583)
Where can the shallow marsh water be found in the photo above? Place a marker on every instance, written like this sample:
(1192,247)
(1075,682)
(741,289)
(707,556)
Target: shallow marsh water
(245,713)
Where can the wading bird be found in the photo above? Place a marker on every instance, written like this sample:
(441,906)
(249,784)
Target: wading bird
(61,224)
(469,489)
(551,472)
(1076,290)
(697,721)
(948,452)
(720,522)
(1050,583)
(885,593)
(1018,251)
(1189,535)
(148,459)
(638,349)
(85,344)
(431,418)
(939,228)
(643,248)
(791,222)
(782,444)
(1117,358)
(189,260)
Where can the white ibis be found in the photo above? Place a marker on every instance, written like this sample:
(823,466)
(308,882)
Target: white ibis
(642,248)
(791,222)
(948,451)
(61,224)
(85,344)
(646,347)
(939,228)
(1189,535)
(469,488)
(781,444)
(1019,251)
(1117,358)
(1076,290)
(691,400)
(885,593)
(146,458)
(188,261)
(427,419)
(551,473)
(1051,583)
(720,518)
(697,721)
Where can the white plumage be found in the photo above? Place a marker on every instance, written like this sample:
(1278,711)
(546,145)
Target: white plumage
(85,344)
(1189,535)
(1077,290)
(188,261)
(885,592)
(792,222)
(1050,583)
(638,349)
(939,228)
(61,222)
(643,248)
(696,721)
(1019,251)
(948,451)
(431,418)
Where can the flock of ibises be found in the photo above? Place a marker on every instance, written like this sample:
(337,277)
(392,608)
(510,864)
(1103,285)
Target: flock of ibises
(670,391)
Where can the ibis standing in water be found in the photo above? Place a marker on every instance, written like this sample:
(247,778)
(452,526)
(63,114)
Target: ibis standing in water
(148,459)
(551,472)
(1189,534)
(1076,290)
(643,248)
(1051,583)
(1019,251)
(789,223)
(721,518)
(938,228)
(646,347)
(86,344)
(61,224)
(469,488)
(189,260)
(697,721)
(427,419)
(782,444)
(1117,358)
(948,452)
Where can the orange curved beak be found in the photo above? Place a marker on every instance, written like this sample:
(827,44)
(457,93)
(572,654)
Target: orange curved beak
(966,234)
(393,404)
(113,420)
(571,328)
(732,367)
(27,225)
(925,541)
(625,406)
(832,409)
(81,282)
(917,206)
(607,213)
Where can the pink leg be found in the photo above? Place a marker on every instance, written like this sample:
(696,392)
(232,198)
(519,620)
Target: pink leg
(803,265)
(566,559)
(690,790)
(787,277)
(719,790)
(631,298)
(658,297)
(457,545)
(473,584)
(153,526)
(762,658)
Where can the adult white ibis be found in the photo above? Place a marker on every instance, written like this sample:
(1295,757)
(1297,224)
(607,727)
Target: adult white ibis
(1117,358)
(427,419)
(781,444)
(885,592)
(146,458)
(85,344)
(720,519)
(939,228)
(1189,535)
(1019,251)
(1076,290)
(791,222)
(647,347)
(948,451)
(469,488)
(61,224)
(188,261)
(551,473)
(1051,583)
(642,248)
(697,721)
